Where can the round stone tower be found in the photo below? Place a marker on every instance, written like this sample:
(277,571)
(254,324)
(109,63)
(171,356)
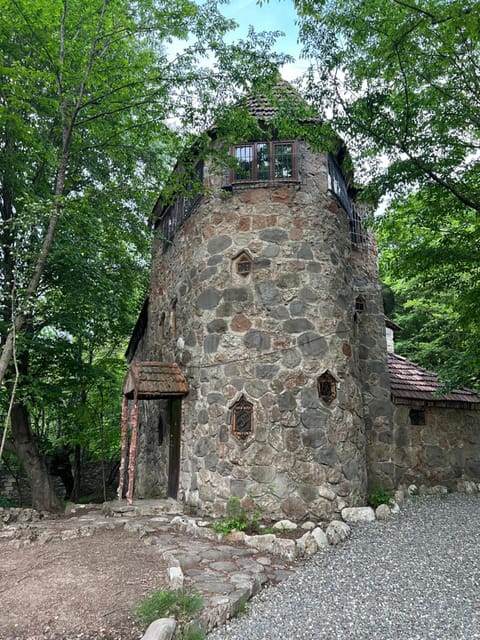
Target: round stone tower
(265,291)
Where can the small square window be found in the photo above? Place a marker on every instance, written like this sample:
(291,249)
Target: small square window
(417,417)
(244,265)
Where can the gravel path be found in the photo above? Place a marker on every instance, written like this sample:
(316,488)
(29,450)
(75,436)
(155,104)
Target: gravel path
(413,577)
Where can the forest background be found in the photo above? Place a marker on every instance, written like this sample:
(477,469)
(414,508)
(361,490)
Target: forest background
(97,100)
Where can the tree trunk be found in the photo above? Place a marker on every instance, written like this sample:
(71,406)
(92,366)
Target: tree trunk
(33,463)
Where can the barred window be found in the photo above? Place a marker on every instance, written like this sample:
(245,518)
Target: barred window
(327,387)
(242,418)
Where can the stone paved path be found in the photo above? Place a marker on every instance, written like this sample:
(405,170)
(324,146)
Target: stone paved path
(226,575)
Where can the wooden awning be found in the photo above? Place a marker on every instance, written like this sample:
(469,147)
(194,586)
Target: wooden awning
(150,380)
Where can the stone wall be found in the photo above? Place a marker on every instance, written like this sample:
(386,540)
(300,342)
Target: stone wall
(267,336)
(17,488)
(443,450)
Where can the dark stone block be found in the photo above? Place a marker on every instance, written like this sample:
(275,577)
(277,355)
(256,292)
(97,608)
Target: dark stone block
(304,251)
(287,401)
(225,310)
(288,281)
(266,371)
(297,308)
(315,267)
(190,339)
(312,344)
(308,294)
(216,398)
(202,446)
(218,244)
(207,273)
(257,340)
(309,398)
(274,234)
(385,436)
(313,438)
(211,342)
(224,468)
(261,263)
(313,419)
(213,260)
(268,293)
(238,383)
(235,295)
(435,456)
(203,416)
(271,251)
(297,325)
(217,326)
(280,313)
(211,461)
(209,298)
(326,455)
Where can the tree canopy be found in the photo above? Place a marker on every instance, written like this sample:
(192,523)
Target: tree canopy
(96,99)
(400,81)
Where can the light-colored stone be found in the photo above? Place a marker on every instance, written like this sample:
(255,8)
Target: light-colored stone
(326,492)
(175,578)
(399,496)
(320,538)
(394,508)
(285,525)
(337,532)
(262,543)
(162,629)
(308,526)
(358,514)
(286,549)
(412,490)
(438,490)
(382,512)
(306,545)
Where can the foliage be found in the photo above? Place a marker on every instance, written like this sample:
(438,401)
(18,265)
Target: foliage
(429,246)
(97,100)
(399,81)
(379,496)
(167,603)
(242,515)
(5,502)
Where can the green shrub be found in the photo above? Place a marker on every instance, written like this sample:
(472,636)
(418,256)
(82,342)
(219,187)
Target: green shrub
(240,516)
(379,496)
(168,604)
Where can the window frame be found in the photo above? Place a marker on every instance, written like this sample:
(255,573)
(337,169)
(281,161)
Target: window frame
(253,176)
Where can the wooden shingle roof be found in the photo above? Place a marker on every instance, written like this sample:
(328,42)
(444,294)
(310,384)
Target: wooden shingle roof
(409,382)
(150,380)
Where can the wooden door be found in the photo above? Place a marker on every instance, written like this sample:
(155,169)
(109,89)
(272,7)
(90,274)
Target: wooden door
(175,415)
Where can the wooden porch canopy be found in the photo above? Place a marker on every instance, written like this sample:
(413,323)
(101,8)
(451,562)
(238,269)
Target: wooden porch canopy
(145,381)
(151,380)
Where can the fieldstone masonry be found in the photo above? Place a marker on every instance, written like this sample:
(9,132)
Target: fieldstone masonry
(267,336)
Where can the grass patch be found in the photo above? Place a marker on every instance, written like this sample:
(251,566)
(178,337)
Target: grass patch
(379,496)
(168,604)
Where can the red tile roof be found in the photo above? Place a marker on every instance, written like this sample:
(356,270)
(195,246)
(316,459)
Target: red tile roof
(411,382)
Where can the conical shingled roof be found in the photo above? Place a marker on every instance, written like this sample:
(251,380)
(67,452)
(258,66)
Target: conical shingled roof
(410,382)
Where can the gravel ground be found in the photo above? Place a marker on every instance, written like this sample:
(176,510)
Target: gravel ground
(413,577)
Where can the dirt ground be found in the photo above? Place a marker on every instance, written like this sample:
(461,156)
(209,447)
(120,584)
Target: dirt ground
(82,588)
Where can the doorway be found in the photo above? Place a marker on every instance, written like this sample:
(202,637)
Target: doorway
(175,420)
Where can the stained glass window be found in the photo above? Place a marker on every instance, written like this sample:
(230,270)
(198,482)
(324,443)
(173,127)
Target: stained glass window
(242,418)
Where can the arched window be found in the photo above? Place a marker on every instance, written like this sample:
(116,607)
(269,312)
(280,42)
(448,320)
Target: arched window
(327,387)
(242,418)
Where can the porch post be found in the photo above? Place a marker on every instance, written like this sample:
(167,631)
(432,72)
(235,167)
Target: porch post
(124,447)
(133,450)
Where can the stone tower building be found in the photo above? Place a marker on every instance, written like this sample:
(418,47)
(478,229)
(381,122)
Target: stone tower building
(265,292)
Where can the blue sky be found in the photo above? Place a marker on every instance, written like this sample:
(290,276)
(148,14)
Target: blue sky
(275,15)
